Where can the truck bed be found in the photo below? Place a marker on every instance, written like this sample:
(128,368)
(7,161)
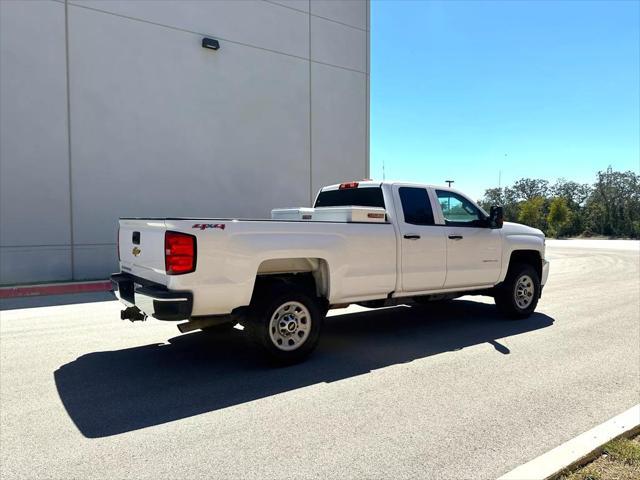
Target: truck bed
(231,253)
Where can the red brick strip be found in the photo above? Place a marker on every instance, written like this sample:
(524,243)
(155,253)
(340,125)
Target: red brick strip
(54,289)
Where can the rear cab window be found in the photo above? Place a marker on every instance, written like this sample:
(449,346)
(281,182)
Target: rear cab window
(416,206)
(351,197)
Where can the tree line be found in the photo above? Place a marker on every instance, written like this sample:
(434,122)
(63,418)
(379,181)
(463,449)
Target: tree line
(609,207)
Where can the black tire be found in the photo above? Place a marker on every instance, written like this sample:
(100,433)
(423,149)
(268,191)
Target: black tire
(518,296)
(305,310)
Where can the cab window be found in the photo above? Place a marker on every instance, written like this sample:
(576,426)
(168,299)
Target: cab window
(361,197)
(459,211)
(416,206)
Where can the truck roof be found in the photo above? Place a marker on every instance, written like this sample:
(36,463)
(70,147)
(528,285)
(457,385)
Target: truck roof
(379,183)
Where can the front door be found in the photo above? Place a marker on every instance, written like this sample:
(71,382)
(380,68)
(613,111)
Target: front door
(473,249)
(422,243)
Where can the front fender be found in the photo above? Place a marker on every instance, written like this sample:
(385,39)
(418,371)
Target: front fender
(521,242)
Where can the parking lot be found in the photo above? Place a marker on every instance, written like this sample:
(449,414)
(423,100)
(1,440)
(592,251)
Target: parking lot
(451,391)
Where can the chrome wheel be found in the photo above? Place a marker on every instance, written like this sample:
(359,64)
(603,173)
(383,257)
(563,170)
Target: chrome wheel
(290,326)
(524,292)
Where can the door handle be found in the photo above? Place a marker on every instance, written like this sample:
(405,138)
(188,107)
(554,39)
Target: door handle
(412,236)
(455,237)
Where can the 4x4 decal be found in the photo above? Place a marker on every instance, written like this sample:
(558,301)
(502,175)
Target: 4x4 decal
(203,226)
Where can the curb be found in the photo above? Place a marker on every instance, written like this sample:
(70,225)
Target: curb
(577,451)
(55,289)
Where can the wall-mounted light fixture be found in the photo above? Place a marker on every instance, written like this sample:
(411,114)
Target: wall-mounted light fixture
(210,43)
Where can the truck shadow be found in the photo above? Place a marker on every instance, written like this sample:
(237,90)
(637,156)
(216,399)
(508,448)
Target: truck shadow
(112,392)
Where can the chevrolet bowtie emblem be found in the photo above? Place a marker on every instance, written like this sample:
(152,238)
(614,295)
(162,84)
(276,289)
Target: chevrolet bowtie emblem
(136,251)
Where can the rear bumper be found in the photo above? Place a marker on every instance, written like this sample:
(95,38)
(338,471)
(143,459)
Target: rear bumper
(152,299)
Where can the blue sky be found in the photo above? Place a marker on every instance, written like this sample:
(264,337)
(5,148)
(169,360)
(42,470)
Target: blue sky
(456,85)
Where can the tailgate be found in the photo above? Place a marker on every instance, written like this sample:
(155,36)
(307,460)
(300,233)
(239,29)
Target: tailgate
(141,248)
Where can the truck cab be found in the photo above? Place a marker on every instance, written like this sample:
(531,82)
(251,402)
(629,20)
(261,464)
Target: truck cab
(445,240)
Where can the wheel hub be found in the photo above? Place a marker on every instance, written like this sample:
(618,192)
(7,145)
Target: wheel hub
(524,291)
(290,325)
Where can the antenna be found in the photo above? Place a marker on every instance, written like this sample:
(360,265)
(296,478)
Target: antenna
(383,175)
(449,182)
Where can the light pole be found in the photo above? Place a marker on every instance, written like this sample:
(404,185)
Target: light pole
(449,198)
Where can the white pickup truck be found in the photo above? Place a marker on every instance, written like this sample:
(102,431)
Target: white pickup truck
(371,243)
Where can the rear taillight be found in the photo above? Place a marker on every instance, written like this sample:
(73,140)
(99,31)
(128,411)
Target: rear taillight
(348,185)
(179,253)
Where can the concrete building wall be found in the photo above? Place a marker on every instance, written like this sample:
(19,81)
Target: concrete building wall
(113,108)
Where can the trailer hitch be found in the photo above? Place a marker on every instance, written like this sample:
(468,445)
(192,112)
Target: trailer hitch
(132,313)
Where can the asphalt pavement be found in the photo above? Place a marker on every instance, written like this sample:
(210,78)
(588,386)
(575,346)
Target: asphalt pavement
(439,392)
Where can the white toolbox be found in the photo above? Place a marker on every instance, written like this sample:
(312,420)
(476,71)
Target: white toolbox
(332,214)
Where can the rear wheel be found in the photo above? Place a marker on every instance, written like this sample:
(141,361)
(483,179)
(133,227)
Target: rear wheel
(285,322)
(518,295)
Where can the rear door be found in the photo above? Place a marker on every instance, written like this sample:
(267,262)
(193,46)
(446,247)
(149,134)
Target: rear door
(141,248)
(423,244)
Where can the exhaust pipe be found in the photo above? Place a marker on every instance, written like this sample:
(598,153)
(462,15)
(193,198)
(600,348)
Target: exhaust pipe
(132,313)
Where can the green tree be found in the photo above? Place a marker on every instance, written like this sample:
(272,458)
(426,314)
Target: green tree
(529,188)
(576,194)
(613,209)
(611,206)
(504,197)
(559,216)
(492,196)
(532,213)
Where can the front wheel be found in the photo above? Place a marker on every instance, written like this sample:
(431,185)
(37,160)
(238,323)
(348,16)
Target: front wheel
(518,295)
(285,323)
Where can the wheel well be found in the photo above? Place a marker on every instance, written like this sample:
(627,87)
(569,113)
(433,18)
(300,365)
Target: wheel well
(530,257)
(310,273)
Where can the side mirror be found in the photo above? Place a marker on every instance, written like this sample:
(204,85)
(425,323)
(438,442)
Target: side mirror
(496,217)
